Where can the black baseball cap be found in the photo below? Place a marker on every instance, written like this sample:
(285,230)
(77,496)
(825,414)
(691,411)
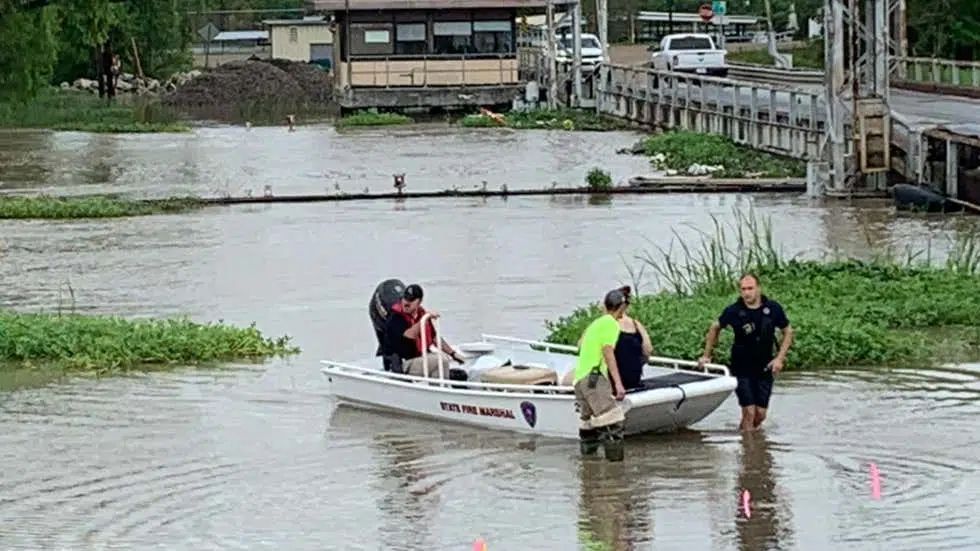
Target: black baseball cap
(413,292)
(616,298)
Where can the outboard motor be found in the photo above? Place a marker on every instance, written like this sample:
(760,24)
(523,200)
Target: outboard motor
(385,294)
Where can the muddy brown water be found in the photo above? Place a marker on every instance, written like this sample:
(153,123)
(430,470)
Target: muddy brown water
(257,457)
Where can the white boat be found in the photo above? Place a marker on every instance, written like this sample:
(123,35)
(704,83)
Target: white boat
(524,386)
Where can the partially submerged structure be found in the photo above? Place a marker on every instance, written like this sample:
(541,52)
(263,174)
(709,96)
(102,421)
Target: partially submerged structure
(424,53)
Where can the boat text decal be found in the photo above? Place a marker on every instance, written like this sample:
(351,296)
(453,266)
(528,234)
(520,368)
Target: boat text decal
(477,410)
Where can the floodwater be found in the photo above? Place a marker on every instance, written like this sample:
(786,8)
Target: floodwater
(257,457)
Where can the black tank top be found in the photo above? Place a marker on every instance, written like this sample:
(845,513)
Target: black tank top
(630,358)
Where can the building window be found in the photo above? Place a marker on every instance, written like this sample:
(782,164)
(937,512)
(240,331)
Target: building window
(293,34)
(371,39)
(493,37)
(452,37)
(410,39)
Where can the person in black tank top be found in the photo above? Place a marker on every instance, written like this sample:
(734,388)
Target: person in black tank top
(632,348)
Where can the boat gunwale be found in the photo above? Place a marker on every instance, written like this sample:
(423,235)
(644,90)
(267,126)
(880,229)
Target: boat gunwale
(480,388)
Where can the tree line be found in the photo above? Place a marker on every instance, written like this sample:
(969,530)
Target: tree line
(44,42)
(936,28)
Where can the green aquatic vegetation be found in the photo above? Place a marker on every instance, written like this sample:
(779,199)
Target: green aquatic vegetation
(107,343)
(680,149)
(85,112)
(598,179)
(90,206)
(548,119)
(372,117)
(891,310)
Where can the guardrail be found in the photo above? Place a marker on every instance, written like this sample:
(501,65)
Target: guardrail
(937,71)
(765,73)
(937,76)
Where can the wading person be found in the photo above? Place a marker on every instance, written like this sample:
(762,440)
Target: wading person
(754,319)
(633,347)
(403,338)
(598,387)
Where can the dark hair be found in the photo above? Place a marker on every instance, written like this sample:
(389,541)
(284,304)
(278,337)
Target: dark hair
(615,299)
(627,292)
(413,292)
(749,274)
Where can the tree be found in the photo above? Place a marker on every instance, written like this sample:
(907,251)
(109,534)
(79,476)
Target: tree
(28,50)
(161,33)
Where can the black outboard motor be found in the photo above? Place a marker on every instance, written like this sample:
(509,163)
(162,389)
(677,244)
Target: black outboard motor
(385,294)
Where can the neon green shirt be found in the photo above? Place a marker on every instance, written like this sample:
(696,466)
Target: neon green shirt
(603,331)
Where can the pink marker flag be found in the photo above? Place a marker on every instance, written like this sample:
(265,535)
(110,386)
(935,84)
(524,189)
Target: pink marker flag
(746,508)
(875,480)
(479,545)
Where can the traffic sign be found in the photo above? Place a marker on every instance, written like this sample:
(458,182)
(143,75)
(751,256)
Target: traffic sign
(706,12)
(718,6)
(208,32)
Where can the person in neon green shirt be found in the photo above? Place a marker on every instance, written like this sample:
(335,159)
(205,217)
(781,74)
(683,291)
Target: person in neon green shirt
(596,398)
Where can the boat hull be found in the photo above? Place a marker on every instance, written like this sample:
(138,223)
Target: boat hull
(671,399)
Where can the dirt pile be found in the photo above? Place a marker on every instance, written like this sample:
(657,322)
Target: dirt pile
(273,84)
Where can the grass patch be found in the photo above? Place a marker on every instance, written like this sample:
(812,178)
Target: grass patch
(681,150)
(371,117)
(75,110)
(548,119)
(110,344)
(808,55)
(891,310)
(598,179)
(90,206)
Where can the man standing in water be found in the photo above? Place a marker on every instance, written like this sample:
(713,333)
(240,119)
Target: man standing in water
(598,386)
(754,318)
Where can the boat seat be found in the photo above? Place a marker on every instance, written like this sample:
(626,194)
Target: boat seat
(568,378)
(520,375)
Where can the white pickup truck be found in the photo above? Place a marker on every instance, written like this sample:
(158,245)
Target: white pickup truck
(689,53)
(591,51)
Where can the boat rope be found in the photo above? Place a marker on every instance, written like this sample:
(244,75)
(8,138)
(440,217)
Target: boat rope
(683,397)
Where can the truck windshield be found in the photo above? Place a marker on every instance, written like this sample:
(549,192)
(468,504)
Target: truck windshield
(690,43)
(565,43)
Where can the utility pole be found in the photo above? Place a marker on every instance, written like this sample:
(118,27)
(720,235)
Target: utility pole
(602,21)
(552,57)
(350,85)
(576,54)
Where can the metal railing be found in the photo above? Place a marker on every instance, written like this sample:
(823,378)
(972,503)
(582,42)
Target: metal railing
(948,72)
(423,71)
(937,71)
(774,117)
(660,361)
(765,73)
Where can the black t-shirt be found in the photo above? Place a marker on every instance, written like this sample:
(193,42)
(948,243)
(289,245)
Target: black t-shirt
(755,334)
(395,341)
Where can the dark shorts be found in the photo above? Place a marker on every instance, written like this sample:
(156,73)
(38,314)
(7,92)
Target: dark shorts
(754,391)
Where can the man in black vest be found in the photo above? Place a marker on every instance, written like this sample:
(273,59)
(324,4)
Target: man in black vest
(754,319)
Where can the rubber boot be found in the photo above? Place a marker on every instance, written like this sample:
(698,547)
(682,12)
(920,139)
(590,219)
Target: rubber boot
(589,441)
(613,441)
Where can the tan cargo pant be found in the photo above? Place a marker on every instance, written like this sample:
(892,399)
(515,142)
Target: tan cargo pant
(414,366)
(597,406)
